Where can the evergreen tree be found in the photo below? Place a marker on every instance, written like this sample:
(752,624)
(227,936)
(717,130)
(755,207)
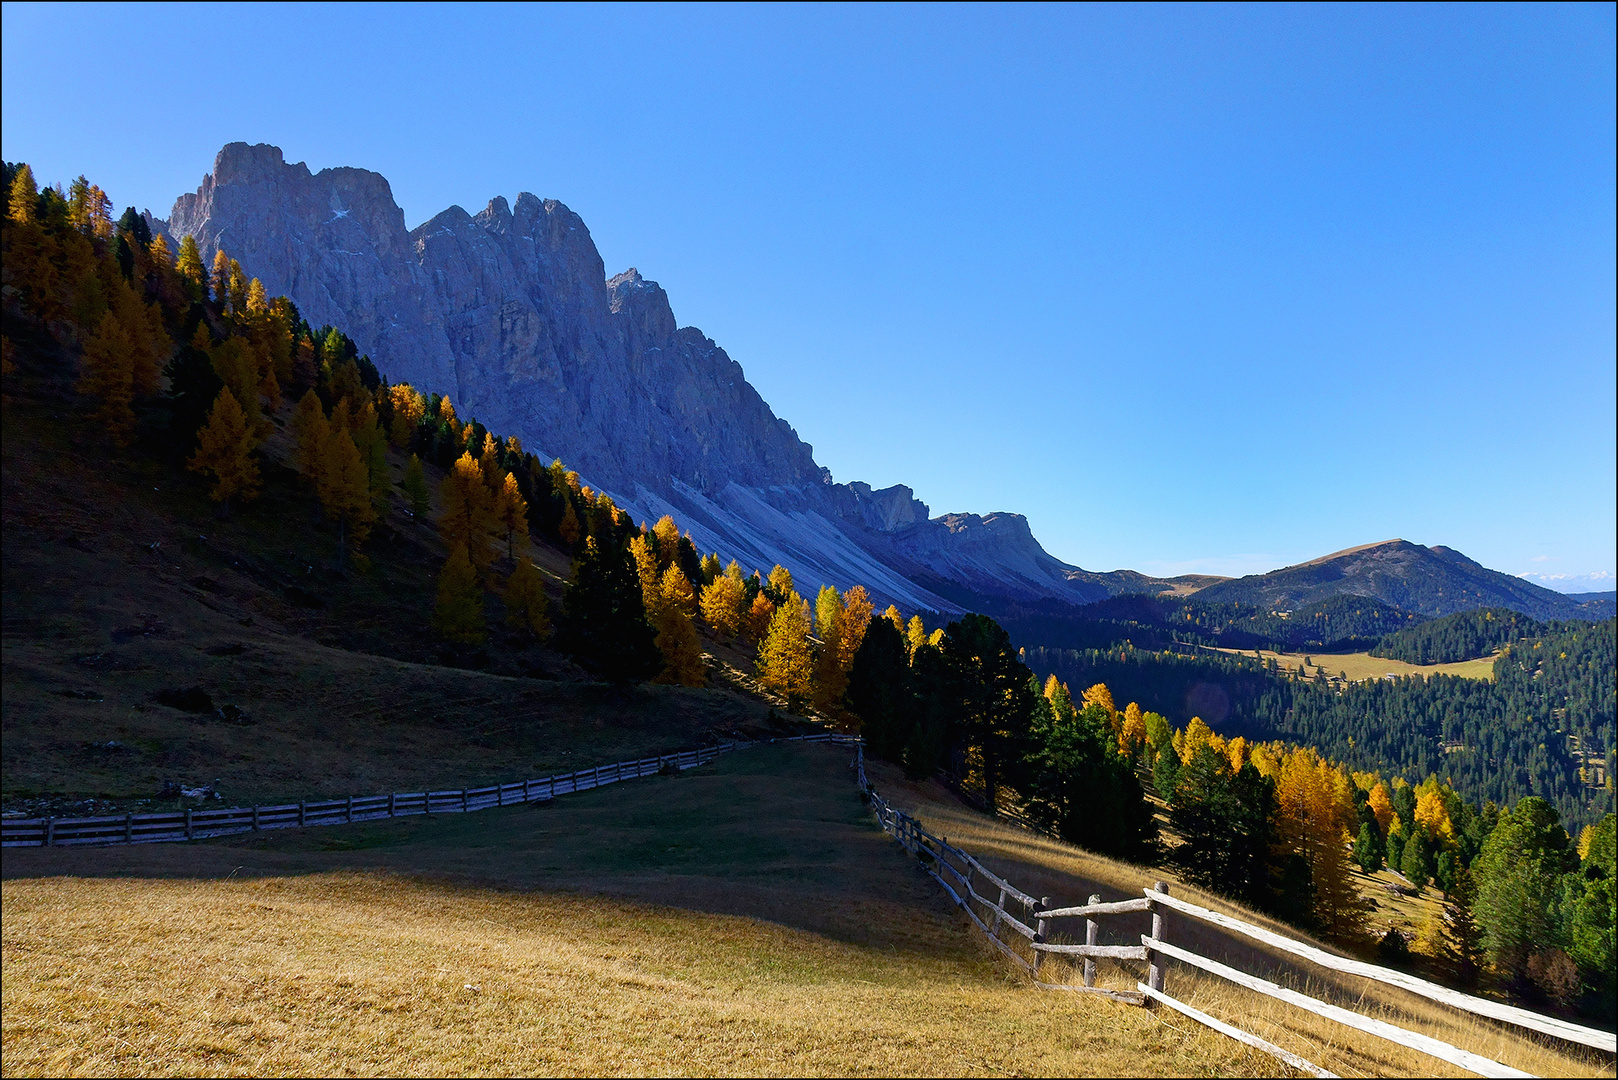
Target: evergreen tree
(1416,859)
(458,607)
(1465,936)
(1229,822)
(1078,784)
(1368,848)
(225,449)
(527,607)
(193,388)
(415,486)
(879,691)
(603,624)
(994,703)
(1517,873)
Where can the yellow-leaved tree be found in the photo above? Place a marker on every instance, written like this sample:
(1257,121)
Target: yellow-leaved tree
(458,606)
(408,409)
(527,607)
(759,614)
(225,450)
(467,516)
(722,605)
(310,428)
(676,633)
(345,491)
(1315,805)
(785,663)
(108,374)
(916,633)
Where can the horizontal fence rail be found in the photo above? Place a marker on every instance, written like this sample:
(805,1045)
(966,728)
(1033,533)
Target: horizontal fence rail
(1494,1010)
(201,824)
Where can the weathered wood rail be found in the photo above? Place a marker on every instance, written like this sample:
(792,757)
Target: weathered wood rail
(200,824)
(1028,919)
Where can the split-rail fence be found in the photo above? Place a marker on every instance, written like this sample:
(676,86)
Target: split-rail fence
(197,824)
(1019,924)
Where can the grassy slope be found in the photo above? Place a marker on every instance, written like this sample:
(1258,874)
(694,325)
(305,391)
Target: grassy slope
(743,918)
(1360,666)
(350,698)
(1043,866)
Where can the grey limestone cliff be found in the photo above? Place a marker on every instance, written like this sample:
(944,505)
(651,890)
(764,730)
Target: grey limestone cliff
(511,313)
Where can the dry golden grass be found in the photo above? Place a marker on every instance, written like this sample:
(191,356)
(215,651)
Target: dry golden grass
(1358,667)
(1043,866)
(772,929)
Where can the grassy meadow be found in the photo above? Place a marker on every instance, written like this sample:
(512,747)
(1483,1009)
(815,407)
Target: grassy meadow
(1360,666)
(747,917)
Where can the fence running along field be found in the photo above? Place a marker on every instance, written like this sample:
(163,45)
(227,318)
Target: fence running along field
(1028,919)
(199,824)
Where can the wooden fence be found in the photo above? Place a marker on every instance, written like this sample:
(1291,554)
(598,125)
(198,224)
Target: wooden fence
(198,824)
(1028,920)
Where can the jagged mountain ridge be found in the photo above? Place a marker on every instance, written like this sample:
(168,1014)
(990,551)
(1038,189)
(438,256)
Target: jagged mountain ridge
(1432,581)
(510,312)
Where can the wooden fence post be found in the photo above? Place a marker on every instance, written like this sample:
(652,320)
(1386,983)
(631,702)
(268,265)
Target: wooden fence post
(255,817)
(129,827)
(525,791)
(463,800)
(1154,970)
(1091,930)
(999,910)
(188,823)
(50,832)
(1039,935)
(303,816)
(499,794)
(393,797)
(351,809)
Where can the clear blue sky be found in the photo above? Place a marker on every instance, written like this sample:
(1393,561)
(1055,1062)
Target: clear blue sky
(1196,289)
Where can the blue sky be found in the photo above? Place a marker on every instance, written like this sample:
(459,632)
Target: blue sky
(1195,288)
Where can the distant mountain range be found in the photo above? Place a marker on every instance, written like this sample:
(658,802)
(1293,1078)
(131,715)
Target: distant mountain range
(1431,581)
(511,314)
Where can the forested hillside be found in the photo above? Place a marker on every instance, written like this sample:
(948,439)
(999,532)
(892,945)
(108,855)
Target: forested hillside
(1462,636)
(1544,726)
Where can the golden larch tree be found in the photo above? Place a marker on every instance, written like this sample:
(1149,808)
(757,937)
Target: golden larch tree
(225,450)
(759,614)
(722,605)
(458,606)
(1381,804)
(916,633)
(894,616)
(108,375)
(310,428)
(527,606)
(785,663)
(647,570)
(666,540)
(345,491)
(24,197)
(467,515)
(676,633)
(511,512)
(408,409)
